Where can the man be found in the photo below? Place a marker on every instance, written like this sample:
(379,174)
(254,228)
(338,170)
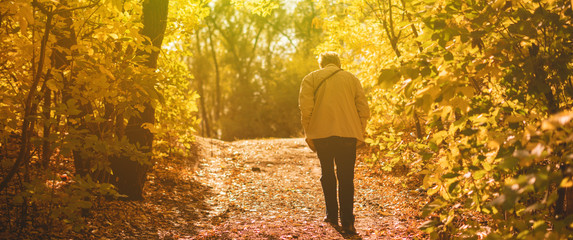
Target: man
(334,112)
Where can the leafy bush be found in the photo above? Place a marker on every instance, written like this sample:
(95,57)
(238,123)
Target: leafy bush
(482,79)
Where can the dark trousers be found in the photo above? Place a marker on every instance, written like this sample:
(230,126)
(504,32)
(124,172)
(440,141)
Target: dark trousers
(342,152)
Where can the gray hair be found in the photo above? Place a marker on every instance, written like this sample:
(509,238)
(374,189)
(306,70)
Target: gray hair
(326,58)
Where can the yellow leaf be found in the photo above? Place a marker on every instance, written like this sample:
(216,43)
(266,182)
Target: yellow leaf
(498,4)
(385,213)
(52,85)
(566,182)
(479,120)
(467,91)
(139,107)
(433,190)
(439,137)
(460,103)
(446,113)
(106,72)
(150,127)
(515,118)
(538,150)
(557,120)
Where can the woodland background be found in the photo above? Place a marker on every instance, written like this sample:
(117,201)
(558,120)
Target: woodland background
(474,97)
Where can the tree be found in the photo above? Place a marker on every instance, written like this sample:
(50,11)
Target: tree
(240,68)
(80,80)
(131,175)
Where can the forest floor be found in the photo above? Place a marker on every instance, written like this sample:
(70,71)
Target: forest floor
(270,189)
(254,189)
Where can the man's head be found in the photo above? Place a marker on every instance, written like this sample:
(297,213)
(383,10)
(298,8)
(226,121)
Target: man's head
(326,58)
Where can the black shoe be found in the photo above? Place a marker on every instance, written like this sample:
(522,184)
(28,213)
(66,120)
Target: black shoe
(348,229)
(333,222)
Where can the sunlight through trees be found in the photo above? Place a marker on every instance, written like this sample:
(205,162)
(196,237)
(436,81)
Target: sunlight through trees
(472,97)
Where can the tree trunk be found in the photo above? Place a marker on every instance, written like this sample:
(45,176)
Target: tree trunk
(217,76)
(131,175)
(200,72)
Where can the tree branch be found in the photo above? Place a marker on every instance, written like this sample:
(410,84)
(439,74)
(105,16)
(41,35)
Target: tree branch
(23,155)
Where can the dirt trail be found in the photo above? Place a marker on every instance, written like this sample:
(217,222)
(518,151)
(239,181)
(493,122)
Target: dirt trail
(270,189)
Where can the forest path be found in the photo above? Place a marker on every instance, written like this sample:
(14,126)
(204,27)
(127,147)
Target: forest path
(270,189)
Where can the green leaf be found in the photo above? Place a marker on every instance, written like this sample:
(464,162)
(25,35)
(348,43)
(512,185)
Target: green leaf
(432,207)
(430,225)
(411,72)
(438,24)
(426,71)
(450,175)
(388,77)
(448,56)
(453,186)
(469,131)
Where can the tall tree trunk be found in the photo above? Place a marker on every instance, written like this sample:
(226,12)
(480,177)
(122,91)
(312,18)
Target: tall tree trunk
(217,76)
(200,72)
(131,175)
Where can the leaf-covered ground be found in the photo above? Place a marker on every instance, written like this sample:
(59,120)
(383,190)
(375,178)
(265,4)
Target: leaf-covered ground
(253,189)
(270,189)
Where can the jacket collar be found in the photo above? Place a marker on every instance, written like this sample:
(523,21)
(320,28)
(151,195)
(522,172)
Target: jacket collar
(331,65)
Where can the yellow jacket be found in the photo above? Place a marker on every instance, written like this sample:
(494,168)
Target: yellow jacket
(340,108)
